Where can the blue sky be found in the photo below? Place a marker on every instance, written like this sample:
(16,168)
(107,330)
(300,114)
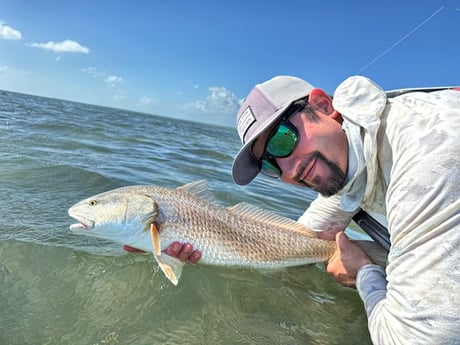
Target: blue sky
(199,59)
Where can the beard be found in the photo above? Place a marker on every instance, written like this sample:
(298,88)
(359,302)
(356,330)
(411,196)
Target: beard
(334,183)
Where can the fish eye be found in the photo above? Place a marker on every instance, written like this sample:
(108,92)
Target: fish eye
(92,202)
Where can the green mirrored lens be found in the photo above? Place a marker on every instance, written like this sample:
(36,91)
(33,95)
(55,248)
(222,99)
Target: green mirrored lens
(269,169)
(282,143)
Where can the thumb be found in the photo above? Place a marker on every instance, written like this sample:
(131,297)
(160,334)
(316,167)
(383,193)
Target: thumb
(342,241)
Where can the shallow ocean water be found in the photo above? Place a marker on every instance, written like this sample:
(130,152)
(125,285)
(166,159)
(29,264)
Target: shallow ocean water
(60,288)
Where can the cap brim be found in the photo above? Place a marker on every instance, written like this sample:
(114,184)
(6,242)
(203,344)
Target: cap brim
(262,108)
(245,168)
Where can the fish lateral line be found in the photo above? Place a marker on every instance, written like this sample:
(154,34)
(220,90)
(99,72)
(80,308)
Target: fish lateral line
(191,209)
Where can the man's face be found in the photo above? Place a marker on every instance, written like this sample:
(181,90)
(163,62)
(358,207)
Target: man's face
(320,158)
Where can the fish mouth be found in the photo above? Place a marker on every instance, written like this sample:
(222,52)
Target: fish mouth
(84,223)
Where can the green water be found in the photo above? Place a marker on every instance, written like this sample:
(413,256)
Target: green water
(60,288)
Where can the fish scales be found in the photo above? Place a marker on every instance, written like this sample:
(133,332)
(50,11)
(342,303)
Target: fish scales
(150,218)
(226,238)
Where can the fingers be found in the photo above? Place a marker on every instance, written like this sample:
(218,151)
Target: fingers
(132,249)
(347,260)
(186,251)
(340,266)
(342,241)
(183,252)
(194,257)
(174,249)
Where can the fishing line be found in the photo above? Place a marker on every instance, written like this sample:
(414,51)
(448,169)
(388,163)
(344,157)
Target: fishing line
(406,36)
(453,8)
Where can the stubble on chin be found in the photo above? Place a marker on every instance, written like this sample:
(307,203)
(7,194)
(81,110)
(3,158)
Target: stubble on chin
(335,183)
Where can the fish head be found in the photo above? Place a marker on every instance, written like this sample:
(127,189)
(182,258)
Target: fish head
(120,215)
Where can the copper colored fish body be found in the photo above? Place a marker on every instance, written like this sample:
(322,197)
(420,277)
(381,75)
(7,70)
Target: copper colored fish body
(150,218)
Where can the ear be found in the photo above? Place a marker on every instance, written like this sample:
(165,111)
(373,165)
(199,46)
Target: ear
(320,101)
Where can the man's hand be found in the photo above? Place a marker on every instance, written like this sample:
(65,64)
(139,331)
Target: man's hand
(184,252)
(347,261)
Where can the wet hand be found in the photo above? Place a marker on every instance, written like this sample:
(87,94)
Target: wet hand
(347,260)
(184,252)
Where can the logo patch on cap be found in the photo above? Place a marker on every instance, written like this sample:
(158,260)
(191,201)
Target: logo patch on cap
(245,121)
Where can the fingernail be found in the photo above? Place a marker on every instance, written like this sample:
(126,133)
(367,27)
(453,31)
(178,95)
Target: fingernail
(176,247)
(187,249)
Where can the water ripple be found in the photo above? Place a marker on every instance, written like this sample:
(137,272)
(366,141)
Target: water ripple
(60,288)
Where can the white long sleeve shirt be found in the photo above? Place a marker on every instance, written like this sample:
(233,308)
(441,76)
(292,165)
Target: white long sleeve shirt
(404,165)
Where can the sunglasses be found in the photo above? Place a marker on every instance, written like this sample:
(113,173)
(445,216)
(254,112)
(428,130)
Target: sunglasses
(280,143)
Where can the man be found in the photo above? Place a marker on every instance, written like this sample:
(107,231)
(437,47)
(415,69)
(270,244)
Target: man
(396,158)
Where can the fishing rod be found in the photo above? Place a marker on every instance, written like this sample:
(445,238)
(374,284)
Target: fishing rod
(371,226)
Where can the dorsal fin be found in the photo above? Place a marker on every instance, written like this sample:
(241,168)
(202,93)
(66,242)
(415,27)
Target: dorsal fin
(198,189)
(272,219)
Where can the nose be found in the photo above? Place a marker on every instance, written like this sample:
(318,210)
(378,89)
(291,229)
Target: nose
(288,168)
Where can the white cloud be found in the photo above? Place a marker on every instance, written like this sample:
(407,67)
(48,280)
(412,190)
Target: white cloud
(119,96)
(113,81)
(145,100)
(66,46)
(8,33)
(93,71)
(220,102)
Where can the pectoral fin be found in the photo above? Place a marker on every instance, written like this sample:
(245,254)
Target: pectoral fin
(171,267)
(155,234)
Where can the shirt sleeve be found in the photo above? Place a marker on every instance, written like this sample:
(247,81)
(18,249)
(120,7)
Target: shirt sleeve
(372,286)
(420,302)
(325,214)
